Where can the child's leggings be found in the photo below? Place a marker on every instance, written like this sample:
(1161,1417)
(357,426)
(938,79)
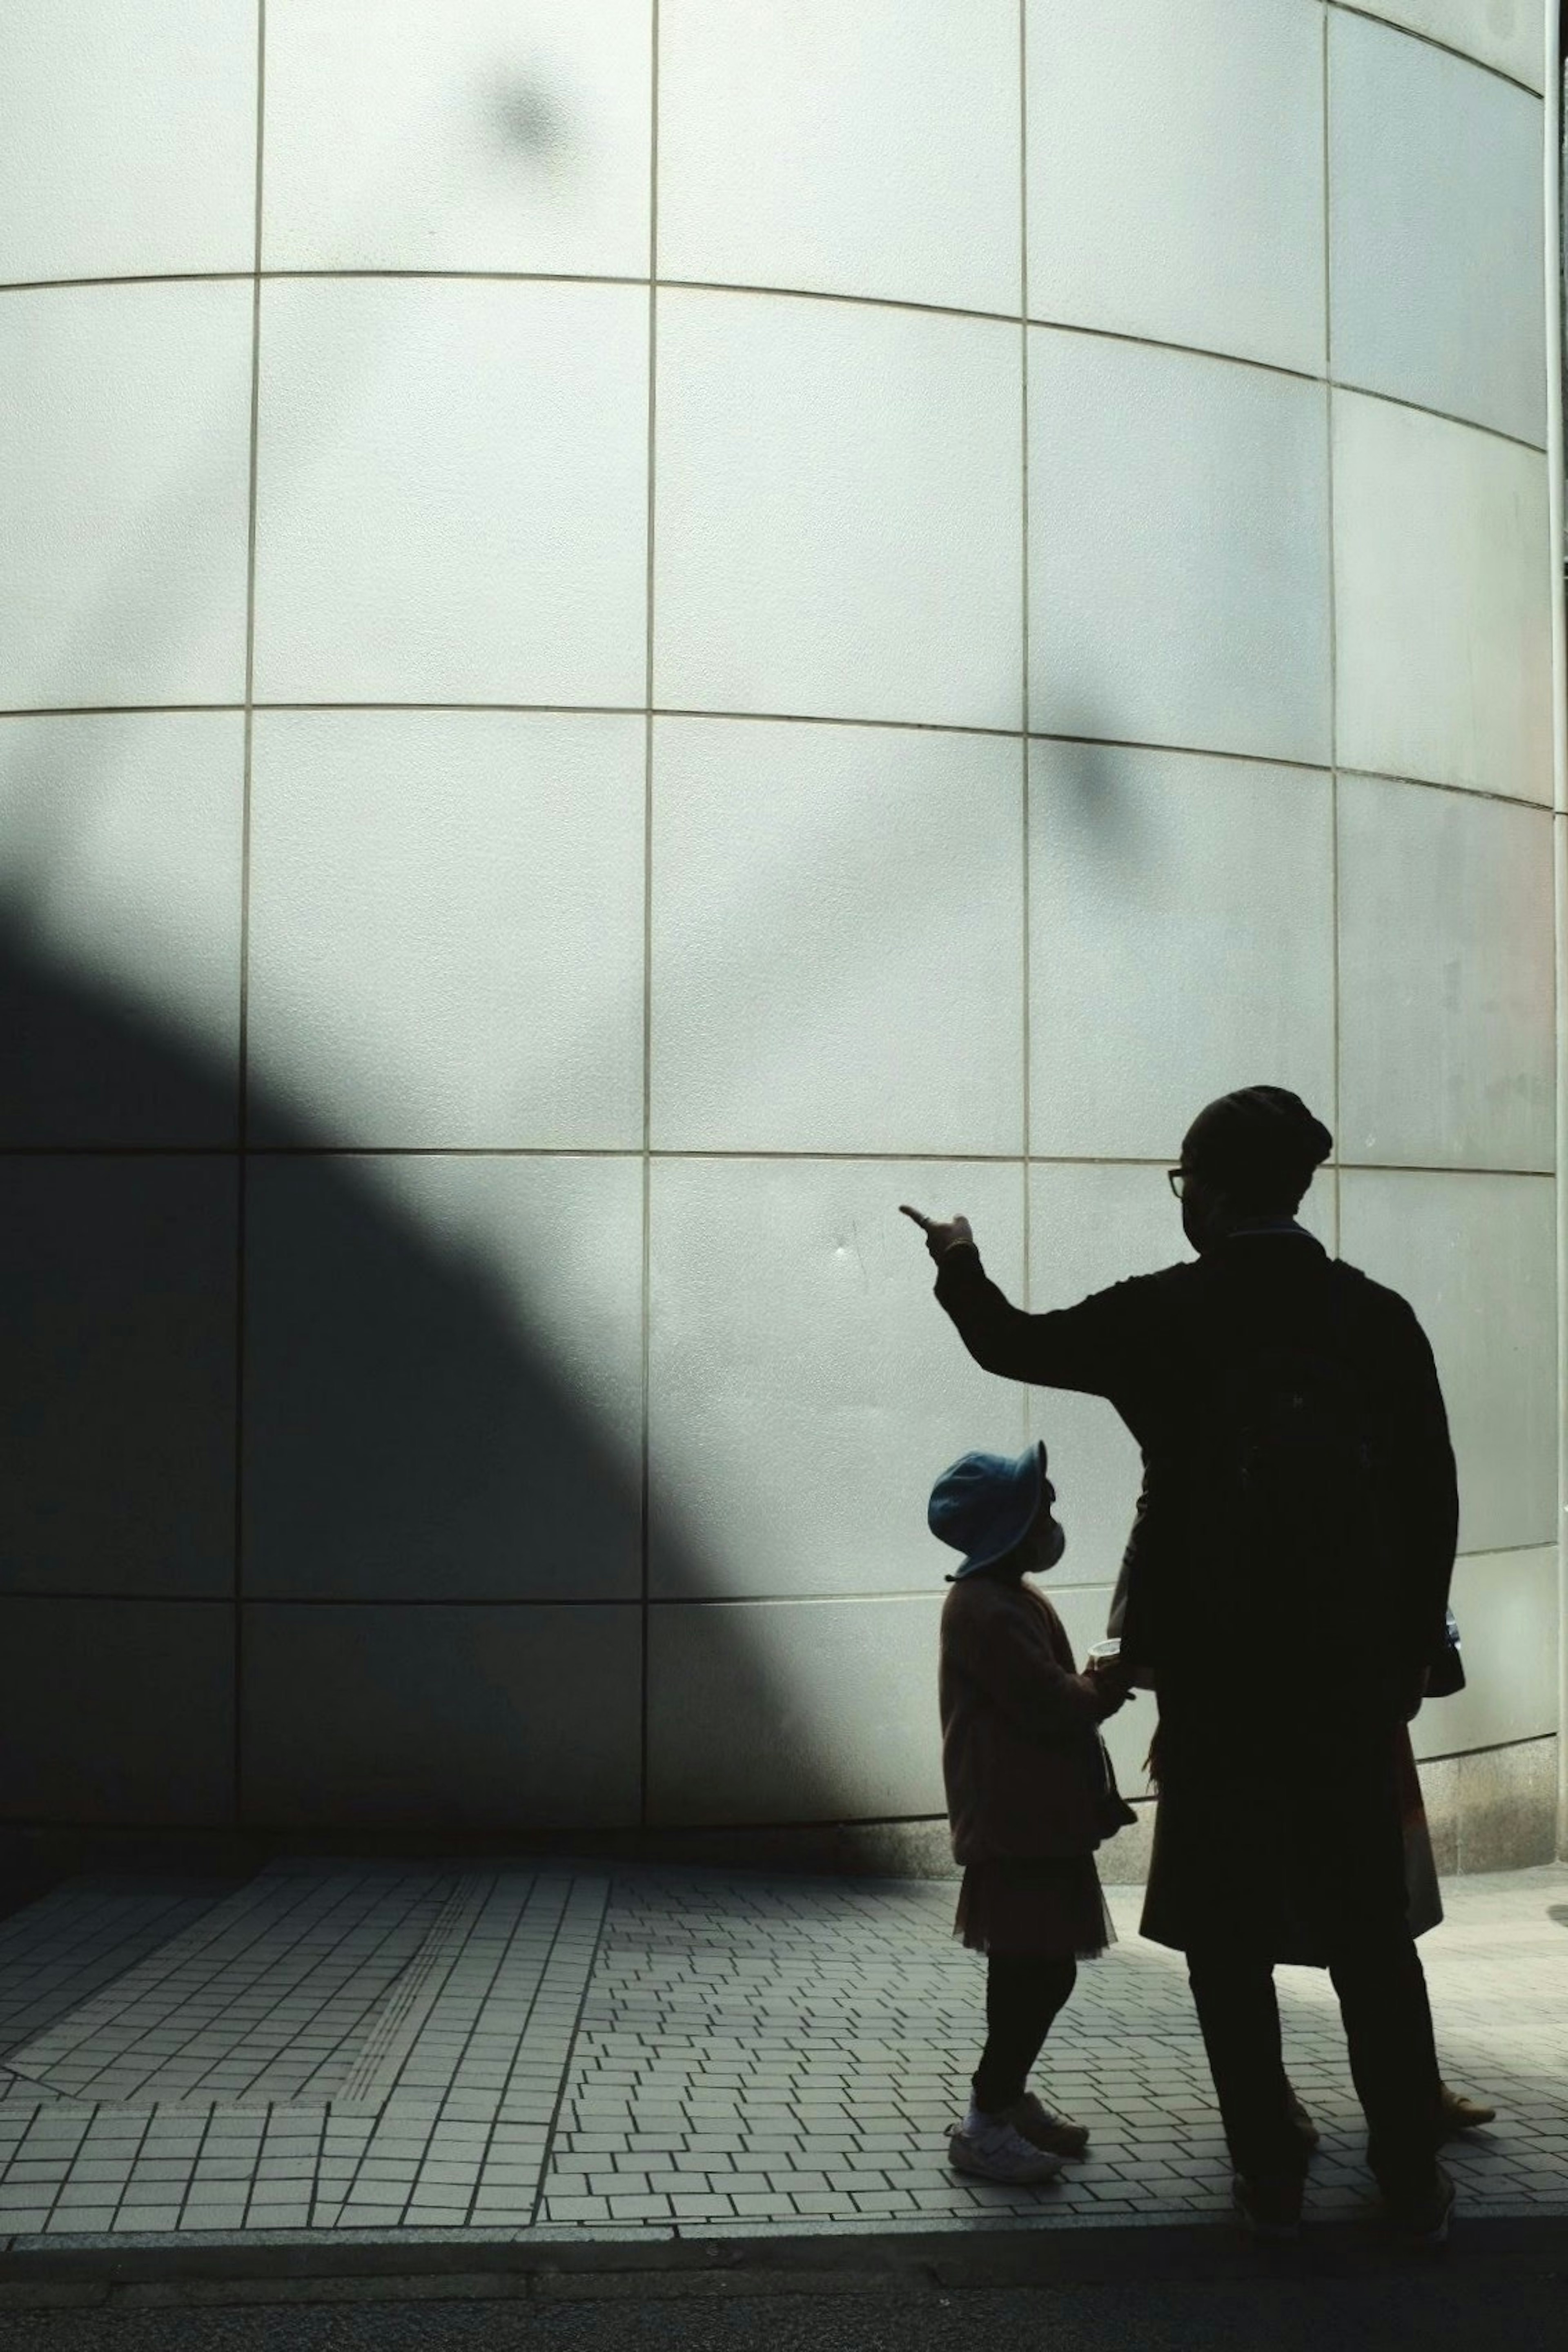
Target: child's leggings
(1023,1995)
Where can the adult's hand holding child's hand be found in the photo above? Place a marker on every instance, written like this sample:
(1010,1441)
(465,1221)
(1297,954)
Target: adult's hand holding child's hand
(942,1235)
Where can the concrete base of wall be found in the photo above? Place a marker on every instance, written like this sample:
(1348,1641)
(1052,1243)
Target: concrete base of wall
(1495,1808)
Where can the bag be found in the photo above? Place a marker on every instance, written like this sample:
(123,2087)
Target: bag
(1446,1677)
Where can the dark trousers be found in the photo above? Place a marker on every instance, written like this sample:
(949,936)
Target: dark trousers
(1022,1997)
(1381,1991)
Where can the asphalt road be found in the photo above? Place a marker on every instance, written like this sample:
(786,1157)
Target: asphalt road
(1519,2305)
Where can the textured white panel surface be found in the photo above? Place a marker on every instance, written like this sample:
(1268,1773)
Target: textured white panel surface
(1474,1255)
(1508,34)
(124,465)
(837,946)
(116,1711)
(794,1710)
(444,1377)
(1505,1603)
(1181,930)
(127,138)
(1091,1226)
(446,926)
(842,146)
(120,843)
(1447,1020)
(411,134)
(349,1716)
(806,1390)
(1178,550)
(839,511)
(118,1402)
(1441,580)
(1437,282)
(1176,173)
(452,492)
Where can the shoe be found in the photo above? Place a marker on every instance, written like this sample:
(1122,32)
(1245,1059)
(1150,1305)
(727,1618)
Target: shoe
(1268,2209)
(1037,2124)
(1301,2123)
(1461,2115)
(999,2153)
(1422,2220)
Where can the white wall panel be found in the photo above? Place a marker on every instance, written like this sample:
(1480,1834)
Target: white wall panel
(127,138)
(1180,925)
(120,847)
(1475,1256)
(1178,550)
(452,492)
(447,927)
(117,1390)
(794,1710)
(411,134)
(1149,123)
(117,1711)
(1510,35)
(1505,1603)
(441,1718)
(1441,569)
(842,147)
(443,1377)
(837,942)
(123,494)
(1438,287)
(839,511)
(806,1391)
(1447,1020)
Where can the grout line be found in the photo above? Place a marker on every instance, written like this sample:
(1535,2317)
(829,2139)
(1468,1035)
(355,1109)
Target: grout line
(547,2154)
(1335,957)
(1027,908)
(795,719)
(1431,41)
(748,1156)
(242,1042)
(787,294)
(644,1467)
(569,1601)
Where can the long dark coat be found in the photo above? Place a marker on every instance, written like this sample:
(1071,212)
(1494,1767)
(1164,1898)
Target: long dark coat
(1281,1805)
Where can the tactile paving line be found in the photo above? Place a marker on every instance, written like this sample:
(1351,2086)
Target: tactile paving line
(267,1998)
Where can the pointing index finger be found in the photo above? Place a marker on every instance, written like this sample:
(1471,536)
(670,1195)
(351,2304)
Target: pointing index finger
(923,1222)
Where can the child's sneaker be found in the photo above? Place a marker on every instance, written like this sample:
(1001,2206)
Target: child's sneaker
(998,2152)
(1034,2121)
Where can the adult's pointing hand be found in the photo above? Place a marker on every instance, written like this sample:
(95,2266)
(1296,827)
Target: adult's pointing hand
(942,1235)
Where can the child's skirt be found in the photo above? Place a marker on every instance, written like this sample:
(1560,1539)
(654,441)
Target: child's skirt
(1052,1910)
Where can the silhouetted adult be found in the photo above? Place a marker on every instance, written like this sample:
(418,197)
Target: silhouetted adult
(1288,1581)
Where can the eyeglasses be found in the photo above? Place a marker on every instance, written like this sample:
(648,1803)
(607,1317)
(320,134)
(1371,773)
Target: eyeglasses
(1176,1179)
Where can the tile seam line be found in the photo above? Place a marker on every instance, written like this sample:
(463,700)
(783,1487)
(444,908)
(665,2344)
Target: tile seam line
(645,1445)
(1026,907)
(782,294)
(570,2054)
(276,1601)
(790,719)
(242,1035)
(754,1155)
(1332,591)
(1430,41)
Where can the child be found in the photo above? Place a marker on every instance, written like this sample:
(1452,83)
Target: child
(1030,1794)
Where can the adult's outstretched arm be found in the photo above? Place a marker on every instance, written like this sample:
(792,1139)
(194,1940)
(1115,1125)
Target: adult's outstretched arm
(1082,1347)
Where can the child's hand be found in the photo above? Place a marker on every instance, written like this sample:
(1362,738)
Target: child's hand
(941,1236)
(1109,1681)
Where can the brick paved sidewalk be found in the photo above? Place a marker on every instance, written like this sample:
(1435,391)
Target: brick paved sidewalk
(502,2051)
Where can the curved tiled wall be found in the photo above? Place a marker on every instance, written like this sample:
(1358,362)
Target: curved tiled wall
(627,647)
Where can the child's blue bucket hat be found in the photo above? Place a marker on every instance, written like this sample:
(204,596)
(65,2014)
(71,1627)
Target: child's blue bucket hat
(986,1503)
